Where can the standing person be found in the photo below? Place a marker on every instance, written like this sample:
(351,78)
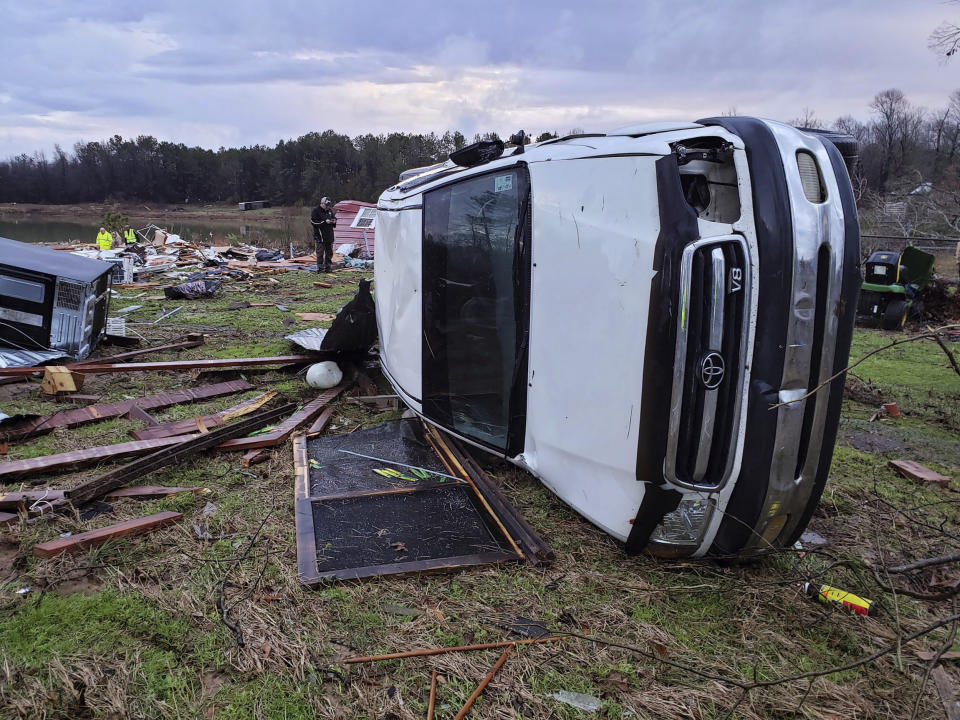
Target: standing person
(129,236)
(104,240)
(323,220)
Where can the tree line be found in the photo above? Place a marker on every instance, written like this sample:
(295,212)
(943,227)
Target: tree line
(902,146)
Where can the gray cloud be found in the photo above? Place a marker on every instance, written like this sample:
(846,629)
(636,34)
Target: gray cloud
(245,73)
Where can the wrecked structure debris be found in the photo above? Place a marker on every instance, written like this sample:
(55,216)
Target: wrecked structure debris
(505,283)
(51,300)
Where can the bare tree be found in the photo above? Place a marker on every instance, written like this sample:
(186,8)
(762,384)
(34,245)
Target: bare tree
(807,119)
(896,130)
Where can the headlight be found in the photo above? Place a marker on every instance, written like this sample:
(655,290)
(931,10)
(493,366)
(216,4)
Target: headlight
(684,526)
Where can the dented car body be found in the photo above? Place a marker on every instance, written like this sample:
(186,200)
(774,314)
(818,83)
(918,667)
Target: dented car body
(641,319)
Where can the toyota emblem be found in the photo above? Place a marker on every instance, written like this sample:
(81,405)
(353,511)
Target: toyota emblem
(711,370)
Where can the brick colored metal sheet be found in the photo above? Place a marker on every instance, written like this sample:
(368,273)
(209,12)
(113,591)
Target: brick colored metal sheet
(177,365)
(191,425)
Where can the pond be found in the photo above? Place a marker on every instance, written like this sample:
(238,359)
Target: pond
(84,230)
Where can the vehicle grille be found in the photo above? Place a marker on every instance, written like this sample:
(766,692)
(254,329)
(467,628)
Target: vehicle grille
(709,362)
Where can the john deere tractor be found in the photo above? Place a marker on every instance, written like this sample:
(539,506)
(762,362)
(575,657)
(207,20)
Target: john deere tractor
(891,283)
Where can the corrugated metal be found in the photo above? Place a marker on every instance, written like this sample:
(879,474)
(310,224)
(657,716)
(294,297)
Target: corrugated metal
(363,238)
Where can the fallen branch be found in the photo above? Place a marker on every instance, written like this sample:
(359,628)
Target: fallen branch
(926,562)
(914,338)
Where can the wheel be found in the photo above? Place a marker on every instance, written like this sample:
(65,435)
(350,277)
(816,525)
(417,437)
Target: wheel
(846,144)
(895,315)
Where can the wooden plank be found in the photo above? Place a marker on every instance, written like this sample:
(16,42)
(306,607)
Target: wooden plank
(149,492)
(323,285)
(192,425)
(307,567)
(16,501)
(316,316)
(7,518)
(15,469)
(254,457)
(100,486)
(459,462)
(93,413)
(285,429)
(916,471)
(75,543)
(138,413)
(320,423)
(77,398)
(179,365)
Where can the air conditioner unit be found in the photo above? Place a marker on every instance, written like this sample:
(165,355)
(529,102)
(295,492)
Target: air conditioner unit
(51,299)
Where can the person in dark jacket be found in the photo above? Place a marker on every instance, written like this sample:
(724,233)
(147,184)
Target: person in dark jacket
(323,220)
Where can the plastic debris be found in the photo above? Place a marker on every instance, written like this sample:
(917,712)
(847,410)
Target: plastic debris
(581,701)
(840,598)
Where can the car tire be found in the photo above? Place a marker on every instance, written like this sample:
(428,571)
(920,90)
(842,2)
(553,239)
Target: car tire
(846,145)
(895,315)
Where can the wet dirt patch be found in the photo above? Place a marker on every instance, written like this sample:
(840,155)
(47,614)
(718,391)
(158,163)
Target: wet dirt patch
(922,443)
(211,682)
(8,556)
(876,443)
(87,584)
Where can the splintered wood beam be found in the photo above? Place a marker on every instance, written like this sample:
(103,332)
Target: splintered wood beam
(178,365)
(283,431)
(94,413)
(16,501)
(254,457)
(169,456)
(205,423)
(91,538)
(16,469)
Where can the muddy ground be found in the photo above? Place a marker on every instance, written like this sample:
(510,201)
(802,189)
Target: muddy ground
(131,629)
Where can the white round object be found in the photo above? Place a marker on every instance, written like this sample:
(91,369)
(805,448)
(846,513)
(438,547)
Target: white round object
(324,375)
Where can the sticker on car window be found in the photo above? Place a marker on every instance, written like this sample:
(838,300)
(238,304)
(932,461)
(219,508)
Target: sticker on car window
(502,183)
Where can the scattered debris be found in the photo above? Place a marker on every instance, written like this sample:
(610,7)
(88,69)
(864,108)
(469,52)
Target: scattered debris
(284,430)
(59,379)
(915,471)
(97,487)
(178,365)
(581,701)
(192,290)
(95,413)
(91,538)
(203,423)
(16,469)
(840,598)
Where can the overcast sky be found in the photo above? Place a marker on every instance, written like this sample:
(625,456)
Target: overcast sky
(242,73)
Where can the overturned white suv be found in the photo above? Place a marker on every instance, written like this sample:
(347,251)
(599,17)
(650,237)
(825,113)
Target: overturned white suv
(624,315)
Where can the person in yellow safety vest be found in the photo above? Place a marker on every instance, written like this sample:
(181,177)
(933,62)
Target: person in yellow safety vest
(129,236)
(104,239)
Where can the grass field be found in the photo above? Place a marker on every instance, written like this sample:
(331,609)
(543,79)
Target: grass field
(131,629)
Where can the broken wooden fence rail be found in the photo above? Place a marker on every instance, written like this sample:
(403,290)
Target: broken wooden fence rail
(166,457)
(83,540)
(427,652)
(432,702)
(486,681)
(180,365)
(95,413)
(15,469)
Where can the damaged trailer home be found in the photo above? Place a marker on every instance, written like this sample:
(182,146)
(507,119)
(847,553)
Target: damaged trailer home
(646,320)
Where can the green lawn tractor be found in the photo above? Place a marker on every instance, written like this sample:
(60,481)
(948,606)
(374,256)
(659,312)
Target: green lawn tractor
(891,283)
